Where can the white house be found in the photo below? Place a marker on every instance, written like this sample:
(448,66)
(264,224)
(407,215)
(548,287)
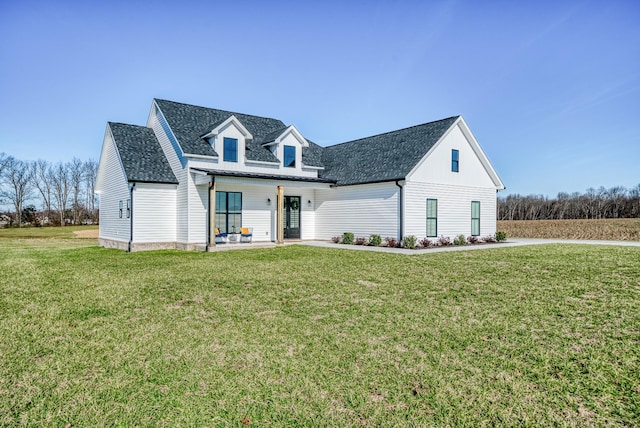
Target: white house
(194,170)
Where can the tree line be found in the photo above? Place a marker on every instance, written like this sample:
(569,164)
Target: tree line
(616,202)
(65,191)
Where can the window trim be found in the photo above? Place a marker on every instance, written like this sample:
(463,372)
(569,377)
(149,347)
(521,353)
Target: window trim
(475,219)
(229,140)
(128,208)
(284,156)
(455,160)
(435,235)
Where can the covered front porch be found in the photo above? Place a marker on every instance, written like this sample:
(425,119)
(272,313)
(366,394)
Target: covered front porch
(274,208)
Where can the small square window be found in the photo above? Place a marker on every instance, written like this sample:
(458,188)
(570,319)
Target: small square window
(455,160)
(230,150)
(290,156)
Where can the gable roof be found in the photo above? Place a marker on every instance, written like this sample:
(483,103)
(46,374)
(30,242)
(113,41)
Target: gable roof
(141,155)
(384,157)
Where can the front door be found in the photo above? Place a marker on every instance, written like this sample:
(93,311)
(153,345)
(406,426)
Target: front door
(292,217)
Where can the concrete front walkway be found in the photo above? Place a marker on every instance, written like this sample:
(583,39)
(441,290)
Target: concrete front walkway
(513,242)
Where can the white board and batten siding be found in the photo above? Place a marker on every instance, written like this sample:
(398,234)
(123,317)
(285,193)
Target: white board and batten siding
(155,213)
(362,209)
(434,179)
(178,166)
(112,226)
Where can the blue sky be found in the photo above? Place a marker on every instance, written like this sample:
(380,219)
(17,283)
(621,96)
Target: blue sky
(551,89)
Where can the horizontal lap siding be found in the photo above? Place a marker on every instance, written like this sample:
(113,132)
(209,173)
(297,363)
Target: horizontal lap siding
(115,189)
(454,209)
(155,213)
(363,209)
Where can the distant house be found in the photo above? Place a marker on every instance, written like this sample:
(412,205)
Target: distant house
(193,171)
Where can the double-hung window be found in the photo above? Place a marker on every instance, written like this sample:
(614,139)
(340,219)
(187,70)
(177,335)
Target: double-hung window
(432,218)
(475,218)
(289,156)
(128,208)
(455,160)
(230,150)
(229,212)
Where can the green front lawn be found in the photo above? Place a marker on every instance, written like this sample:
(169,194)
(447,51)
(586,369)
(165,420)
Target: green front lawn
(541,335)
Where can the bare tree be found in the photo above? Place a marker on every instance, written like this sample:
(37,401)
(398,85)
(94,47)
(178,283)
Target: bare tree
(61,184)
(90,173)
(17,178)
(3,161)
(616,202)
(41,176)
(76,172)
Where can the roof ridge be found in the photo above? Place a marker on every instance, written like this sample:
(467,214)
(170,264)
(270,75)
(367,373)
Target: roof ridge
(392,132)
(109,122)
(217,109)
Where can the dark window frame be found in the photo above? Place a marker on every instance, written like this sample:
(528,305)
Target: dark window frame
(229,154)
(432,218)
(292,162)
(455,160)
(120,210)
(475,221)
(228,214)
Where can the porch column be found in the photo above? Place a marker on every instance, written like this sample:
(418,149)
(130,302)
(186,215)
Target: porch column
(212,213)
(280,216)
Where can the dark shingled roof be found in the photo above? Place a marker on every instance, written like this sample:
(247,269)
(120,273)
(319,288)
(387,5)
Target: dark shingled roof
(189,123)
(385,157)
(141,154)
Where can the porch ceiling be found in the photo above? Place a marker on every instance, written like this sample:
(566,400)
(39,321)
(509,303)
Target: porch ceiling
(269,178)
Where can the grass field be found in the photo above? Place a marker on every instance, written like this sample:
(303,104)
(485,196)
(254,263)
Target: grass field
(541,335)
(623,229)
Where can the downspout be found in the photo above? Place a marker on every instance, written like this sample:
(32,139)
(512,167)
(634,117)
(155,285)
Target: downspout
(212,184)
(131,189)
(401,210)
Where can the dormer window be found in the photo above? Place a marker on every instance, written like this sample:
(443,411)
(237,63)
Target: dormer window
(290,156)
(230,151)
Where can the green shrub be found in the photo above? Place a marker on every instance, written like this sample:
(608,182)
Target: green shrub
(347,238)
(375,240)
(459,240)
(409,242)
(501,236)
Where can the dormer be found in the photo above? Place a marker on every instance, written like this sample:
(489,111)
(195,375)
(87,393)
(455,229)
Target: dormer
(229,139)
(286,145)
